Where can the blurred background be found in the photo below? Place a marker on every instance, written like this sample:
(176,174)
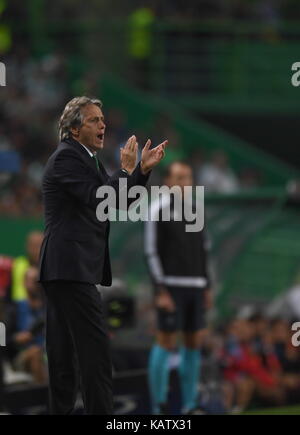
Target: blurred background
(212,76)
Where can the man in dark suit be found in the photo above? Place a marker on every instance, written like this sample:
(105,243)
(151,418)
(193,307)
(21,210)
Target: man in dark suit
(75,255)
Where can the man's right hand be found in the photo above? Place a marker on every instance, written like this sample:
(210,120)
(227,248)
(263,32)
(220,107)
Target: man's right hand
(164,301)
(129,155)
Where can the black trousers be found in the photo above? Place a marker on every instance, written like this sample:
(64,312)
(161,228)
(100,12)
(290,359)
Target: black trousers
(78,348)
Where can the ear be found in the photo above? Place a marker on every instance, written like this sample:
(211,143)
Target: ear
(75,131)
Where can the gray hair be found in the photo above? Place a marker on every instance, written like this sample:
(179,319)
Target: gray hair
(72,116)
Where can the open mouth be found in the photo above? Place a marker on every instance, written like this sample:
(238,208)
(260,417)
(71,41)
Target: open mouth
(100,136)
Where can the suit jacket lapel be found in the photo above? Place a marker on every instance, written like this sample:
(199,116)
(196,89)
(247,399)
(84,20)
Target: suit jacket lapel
(87,158)
(103,172)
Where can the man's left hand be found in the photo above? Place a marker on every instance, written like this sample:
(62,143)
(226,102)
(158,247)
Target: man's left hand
(151,157)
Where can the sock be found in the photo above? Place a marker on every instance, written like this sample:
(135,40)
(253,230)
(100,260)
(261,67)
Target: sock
(189,372)
(158,376)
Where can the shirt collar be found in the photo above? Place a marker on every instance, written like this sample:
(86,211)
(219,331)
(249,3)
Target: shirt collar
(90,152)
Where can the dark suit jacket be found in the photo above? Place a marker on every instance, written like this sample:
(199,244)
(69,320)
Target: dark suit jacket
(75,246)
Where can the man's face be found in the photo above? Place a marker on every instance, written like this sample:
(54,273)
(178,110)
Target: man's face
(180,175)
(91,132)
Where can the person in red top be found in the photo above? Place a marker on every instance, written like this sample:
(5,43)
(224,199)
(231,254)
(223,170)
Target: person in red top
(247,370)
(5,275)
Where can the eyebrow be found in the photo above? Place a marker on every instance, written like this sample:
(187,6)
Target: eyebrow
(97,117)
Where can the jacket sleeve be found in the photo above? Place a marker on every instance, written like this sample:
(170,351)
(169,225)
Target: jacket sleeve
(153,242)
(75,178)
(206,245)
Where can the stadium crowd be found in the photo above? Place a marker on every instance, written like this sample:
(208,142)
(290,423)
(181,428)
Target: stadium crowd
(256,361)
(28,113)
(40,85)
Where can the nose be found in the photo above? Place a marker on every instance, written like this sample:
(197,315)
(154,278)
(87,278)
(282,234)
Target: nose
(101,123)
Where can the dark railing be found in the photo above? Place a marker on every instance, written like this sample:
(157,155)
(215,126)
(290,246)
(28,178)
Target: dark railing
(207,66)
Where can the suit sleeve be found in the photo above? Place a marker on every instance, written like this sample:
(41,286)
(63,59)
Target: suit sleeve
(74,177)
(137,178)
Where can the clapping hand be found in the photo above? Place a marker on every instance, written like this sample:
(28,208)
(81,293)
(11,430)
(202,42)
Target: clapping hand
(151,157)
(128,154)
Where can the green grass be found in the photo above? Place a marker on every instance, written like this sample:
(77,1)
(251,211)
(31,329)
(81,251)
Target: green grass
(288,410)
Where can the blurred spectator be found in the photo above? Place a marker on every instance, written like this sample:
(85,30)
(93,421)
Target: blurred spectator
(268,11)
(37,88)
(163,127)
(286,305)
(24,309)
(5,276)
(248,372)
(22,199)
(289,357)
(293,188)
(1,383)
(21,265)
(28,338)
(1,359)
(217,176)
(115,137)
(249,179)
(5,279)
(212,391)
(140,38)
